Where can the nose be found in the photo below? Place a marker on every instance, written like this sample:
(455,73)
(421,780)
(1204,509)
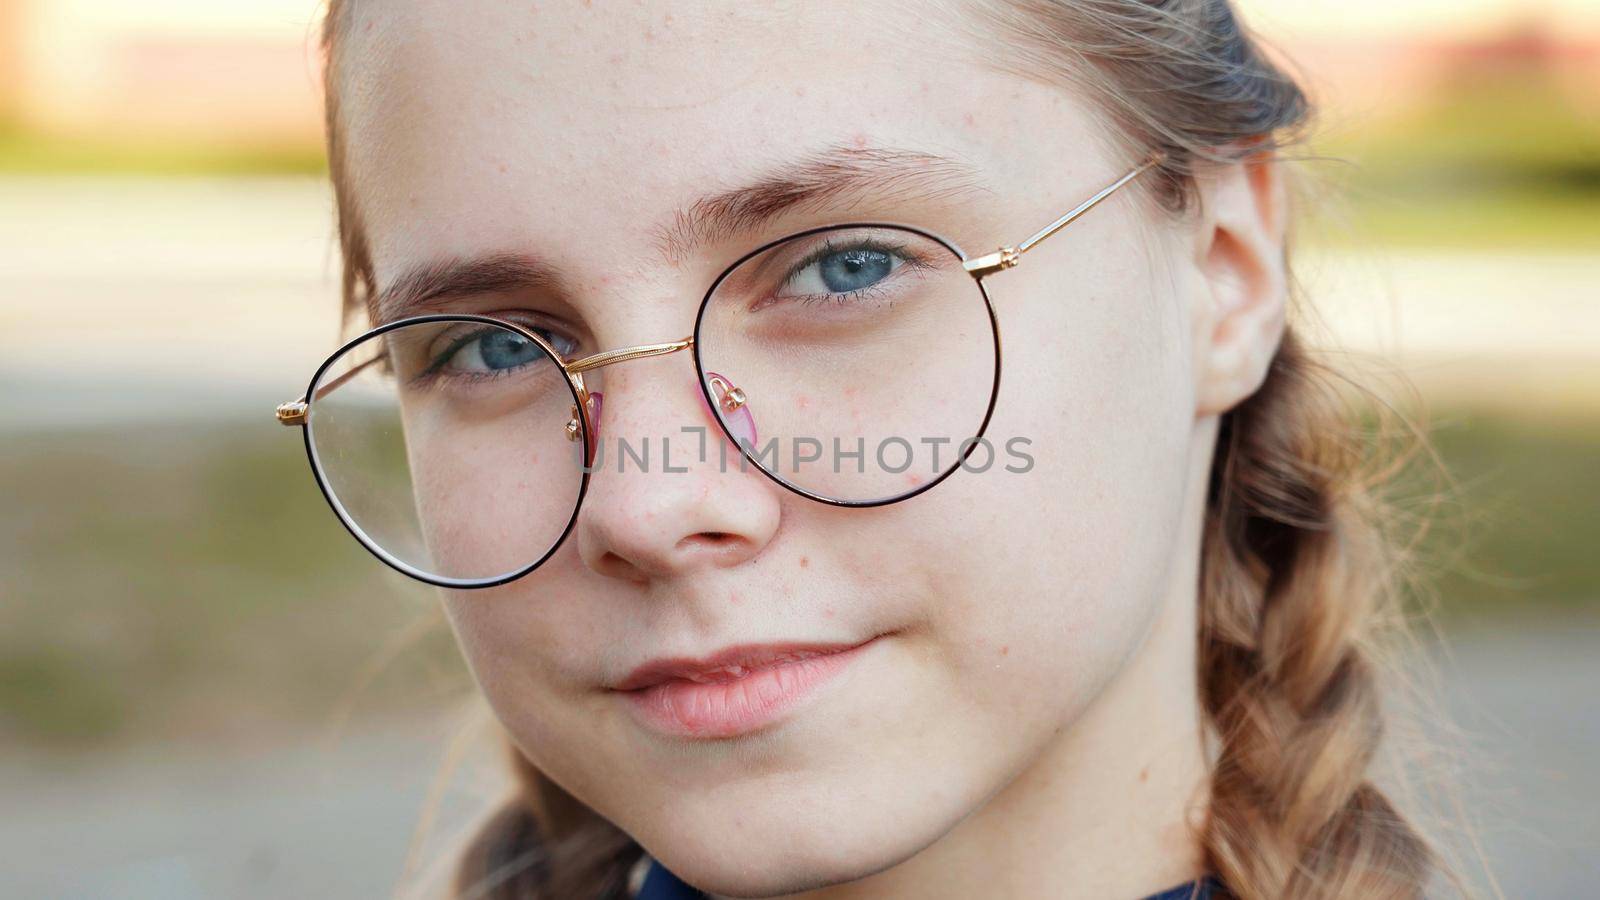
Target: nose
(689,504)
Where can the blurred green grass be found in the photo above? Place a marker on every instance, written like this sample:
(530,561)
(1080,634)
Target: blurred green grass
(1517,527)
(1494,159)
(189,579)
(29,152)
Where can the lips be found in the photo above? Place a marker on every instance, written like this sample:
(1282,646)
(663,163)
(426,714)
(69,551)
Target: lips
(734,691)
(728,664)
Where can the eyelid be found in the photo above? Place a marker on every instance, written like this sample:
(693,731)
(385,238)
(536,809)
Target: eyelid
(539,321)
(461,333)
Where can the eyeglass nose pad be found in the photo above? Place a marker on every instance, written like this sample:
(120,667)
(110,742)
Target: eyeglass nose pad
(734,408)
(575,424)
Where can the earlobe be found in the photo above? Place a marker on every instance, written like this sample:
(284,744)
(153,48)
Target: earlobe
(1239,252)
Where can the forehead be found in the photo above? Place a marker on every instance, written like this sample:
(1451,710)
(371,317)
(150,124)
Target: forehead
(477,126)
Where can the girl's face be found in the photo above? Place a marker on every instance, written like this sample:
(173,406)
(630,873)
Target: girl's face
(575,136)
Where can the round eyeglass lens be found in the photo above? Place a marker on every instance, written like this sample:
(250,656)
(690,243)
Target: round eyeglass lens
(450,447)
(857,364)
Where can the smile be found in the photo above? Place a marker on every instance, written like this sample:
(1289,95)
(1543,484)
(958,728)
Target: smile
(735,692)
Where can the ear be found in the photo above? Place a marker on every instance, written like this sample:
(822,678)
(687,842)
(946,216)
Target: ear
(1239,252)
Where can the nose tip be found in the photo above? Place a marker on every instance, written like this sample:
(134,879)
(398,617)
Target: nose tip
(618,554)
(647,526)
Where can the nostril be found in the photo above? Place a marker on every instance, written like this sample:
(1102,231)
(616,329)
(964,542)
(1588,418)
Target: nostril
(710,541)
(616,566)
(709,537)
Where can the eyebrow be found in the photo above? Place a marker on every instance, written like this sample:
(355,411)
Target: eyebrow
(489,274)
(886,173)
(835,172)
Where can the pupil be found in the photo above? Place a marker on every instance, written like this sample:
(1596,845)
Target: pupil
(853,270)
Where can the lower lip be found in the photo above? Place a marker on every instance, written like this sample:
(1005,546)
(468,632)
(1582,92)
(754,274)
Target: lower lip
(693,709)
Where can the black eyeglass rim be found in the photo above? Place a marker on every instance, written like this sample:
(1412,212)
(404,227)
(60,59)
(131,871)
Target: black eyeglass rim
(372,545)
(705,387)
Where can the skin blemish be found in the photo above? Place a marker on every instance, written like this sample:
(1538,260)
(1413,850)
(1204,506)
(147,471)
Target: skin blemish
(1005,649)
(805,562)
(860,140)
(969,120)
(1144,774)
(827,612)
(802,401)
(733,598)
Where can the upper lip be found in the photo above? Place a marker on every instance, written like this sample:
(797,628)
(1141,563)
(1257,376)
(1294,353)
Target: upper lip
(728,663)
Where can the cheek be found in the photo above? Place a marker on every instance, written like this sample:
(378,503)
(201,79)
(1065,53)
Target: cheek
(531,649)
(532,643)
(493,493)
(1061,569)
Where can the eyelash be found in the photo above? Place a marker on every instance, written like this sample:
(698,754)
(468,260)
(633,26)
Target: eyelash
(829,248)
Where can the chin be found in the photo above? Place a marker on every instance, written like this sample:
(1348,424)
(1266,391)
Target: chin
(766,842)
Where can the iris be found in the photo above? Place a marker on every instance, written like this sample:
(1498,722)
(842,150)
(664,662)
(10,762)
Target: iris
(854,269)
(506,350)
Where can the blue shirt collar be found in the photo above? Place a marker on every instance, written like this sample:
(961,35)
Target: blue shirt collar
(661,884)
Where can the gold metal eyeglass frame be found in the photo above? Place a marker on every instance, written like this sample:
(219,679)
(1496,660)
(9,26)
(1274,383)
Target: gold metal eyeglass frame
(729,397)
(294,411)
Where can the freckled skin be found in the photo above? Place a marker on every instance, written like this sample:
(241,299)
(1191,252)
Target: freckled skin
(934,749)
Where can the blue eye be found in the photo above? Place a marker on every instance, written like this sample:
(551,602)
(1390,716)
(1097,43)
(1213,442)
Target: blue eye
(490,351)
(504,350)
(848,270)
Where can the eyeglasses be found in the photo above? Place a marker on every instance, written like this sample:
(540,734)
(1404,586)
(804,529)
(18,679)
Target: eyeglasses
(854,364)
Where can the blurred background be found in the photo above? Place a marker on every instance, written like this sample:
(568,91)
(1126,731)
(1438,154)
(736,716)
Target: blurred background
(207,689)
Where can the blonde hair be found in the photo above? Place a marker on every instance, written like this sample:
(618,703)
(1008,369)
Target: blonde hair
(1298,569)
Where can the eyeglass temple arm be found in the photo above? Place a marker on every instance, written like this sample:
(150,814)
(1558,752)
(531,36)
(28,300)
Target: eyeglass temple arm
(294,412)
(1006,257)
